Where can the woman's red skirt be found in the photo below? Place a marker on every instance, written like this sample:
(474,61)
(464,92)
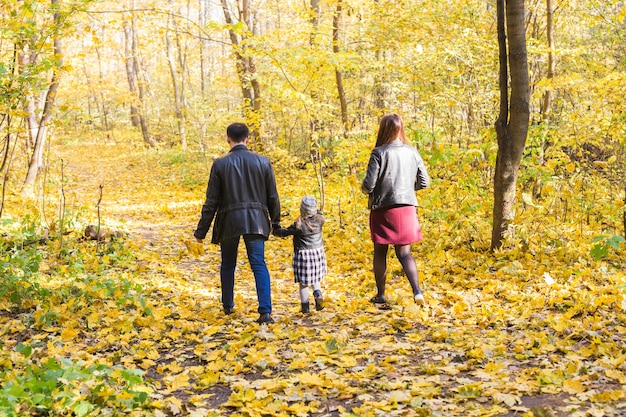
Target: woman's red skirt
(396,225)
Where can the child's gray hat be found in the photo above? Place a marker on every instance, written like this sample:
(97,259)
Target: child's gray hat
(308,206)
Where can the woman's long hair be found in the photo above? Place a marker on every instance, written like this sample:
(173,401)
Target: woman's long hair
(391,128)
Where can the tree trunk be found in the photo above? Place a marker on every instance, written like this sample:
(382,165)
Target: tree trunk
(380,93)
(380,90)
(106,124)
(130,73)
(32,122)
(624,213)
(177,100)
(25,58)
(547,96)
(512,123)
(202,21)
(178,83)
(246,66)
(36,164)
(6,144)
(141,90)
(91,95)
(315,20)
(97,96)
(136,85)
(338,73)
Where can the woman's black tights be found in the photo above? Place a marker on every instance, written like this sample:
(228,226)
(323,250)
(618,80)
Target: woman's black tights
(403,252)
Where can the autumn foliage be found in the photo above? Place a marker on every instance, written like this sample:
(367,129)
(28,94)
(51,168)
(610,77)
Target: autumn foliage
(135,326)
(108,306)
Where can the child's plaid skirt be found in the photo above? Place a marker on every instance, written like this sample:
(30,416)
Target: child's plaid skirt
(309,266)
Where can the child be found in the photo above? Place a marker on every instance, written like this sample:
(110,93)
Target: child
(309,258)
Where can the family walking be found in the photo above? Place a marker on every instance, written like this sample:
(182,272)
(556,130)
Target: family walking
(242,201)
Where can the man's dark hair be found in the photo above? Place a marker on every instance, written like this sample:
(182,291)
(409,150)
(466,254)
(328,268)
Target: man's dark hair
(237,132)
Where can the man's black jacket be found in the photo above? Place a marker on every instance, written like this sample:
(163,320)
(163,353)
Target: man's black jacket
(241,196)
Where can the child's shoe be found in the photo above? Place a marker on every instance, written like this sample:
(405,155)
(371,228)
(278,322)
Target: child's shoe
(305,308)
(319,300)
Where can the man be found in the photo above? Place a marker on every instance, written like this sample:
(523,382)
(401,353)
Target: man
(241,194)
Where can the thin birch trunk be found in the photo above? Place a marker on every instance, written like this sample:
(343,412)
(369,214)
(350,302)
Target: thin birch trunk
(36,164)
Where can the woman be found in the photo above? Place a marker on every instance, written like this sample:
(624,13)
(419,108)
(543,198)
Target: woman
(394,172)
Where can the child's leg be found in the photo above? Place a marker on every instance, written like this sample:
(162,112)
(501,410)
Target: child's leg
(304,293)
(317,294)
(304,299)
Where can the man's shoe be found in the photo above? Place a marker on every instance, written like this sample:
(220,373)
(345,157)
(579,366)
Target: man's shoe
(265,318)
(378,299)
(228,310)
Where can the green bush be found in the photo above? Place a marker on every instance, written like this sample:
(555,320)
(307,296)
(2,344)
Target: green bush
(19,265)
(62,387)
(603,243)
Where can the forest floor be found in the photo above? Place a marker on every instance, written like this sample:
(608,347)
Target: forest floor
(520,334)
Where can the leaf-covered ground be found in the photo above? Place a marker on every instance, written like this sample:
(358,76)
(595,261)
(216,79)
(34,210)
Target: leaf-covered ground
(538,329)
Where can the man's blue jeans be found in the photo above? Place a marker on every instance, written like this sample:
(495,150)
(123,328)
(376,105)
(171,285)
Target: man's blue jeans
(255,247)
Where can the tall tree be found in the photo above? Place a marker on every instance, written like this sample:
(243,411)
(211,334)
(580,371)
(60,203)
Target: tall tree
(130,72)
(512,123)
(338,72)
(135,82)
(240,29)
(178,72)
(315,19)
(380,90)
(38,125)
(547,95)
(203,45)
(105,111)
(97,95)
